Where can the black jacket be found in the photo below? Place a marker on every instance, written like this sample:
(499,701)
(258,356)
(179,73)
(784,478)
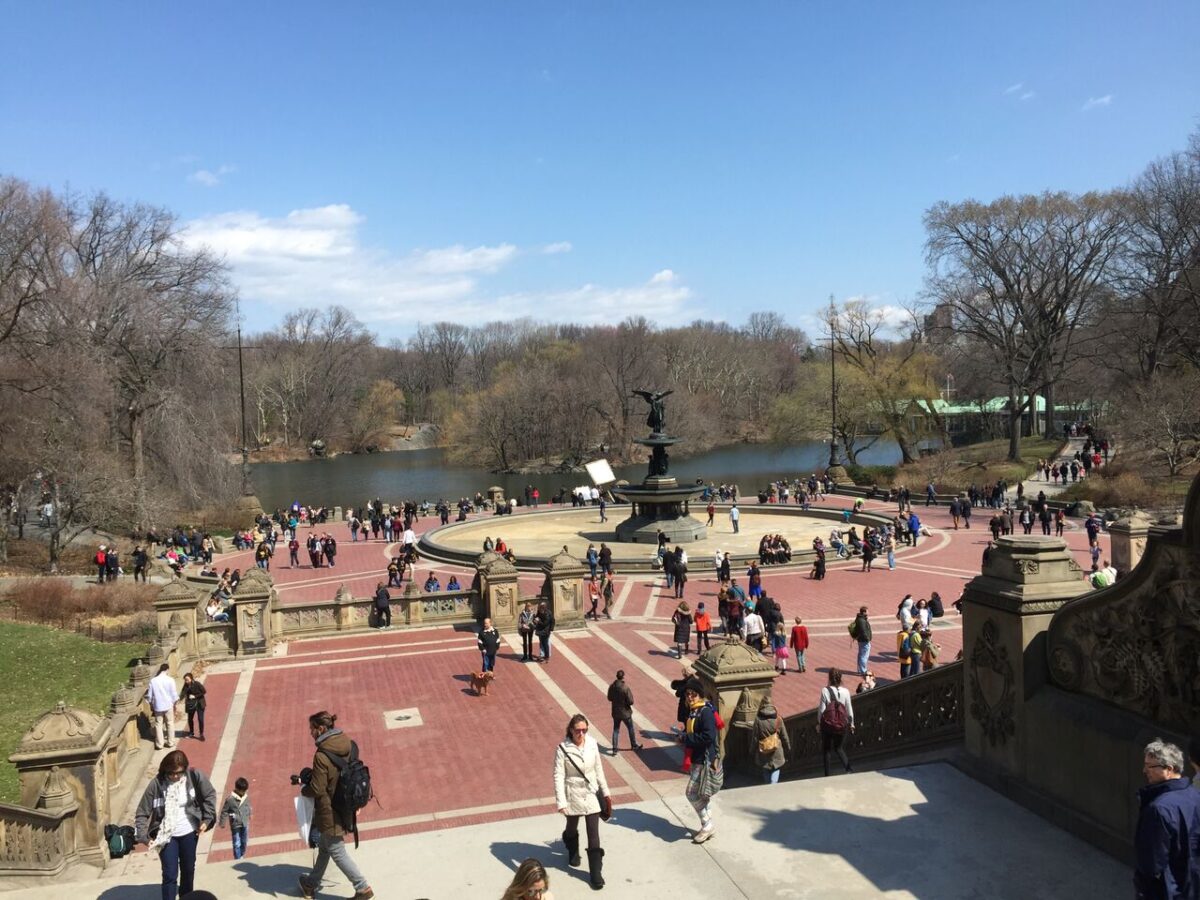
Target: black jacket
(488,641)
(862,629)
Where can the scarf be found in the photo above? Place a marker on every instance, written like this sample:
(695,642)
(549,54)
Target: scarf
(694,706)
(173,811)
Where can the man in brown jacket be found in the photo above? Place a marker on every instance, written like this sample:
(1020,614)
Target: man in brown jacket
(621,698)
(321,785)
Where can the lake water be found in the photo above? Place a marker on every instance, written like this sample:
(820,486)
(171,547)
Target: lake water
(425,475)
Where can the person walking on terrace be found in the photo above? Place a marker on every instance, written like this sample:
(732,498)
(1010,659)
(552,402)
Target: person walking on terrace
(860,631)
(621,698)
(581,791)
(1167,839)
(835,719)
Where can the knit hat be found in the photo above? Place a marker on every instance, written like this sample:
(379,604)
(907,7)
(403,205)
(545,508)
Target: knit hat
(767,709)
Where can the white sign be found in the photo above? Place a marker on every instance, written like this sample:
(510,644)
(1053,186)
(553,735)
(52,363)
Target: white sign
(601,472)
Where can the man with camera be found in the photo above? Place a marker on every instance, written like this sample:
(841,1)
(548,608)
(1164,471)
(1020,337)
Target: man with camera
(320,782)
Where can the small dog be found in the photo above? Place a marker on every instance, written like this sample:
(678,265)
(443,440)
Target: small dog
(480,682)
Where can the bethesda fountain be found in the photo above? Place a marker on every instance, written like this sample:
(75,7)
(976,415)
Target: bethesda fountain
(659,503)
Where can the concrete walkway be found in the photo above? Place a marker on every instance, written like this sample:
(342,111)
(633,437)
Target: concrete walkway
(926,832)
(1066,455)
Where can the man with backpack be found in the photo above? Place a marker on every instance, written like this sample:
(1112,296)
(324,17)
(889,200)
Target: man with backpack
(339,785)
(860,631)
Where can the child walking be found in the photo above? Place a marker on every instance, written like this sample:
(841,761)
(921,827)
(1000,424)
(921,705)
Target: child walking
(779,647)
(236,812)
(799,642)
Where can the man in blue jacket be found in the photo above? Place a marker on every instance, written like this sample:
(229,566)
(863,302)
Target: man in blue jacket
(1167,841)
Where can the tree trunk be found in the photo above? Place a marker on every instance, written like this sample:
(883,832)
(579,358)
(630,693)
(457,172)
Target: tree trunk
(1048,395)
(55,525)
(137,449)
(1016,417)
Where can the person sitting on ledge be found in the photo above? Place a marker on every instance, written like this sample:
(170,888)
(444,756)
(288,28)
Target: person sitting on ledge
(452,584)
(215,611)
(432,585)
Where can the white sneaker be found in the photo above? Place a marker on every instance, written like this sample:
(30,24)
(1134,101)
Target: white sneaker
(703,835)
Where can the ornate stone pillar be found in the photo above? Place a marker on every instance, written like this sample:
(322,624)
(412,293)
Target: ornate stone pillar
(73,741)
(733,673)
(412,603)
(1128,537)
(1006,611)
(564,586)
(252,604)
(500,590)
(177,607)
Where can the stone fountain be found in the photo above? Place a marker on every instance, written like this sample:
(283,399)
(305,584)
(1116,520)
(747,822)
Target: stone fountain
(659,502)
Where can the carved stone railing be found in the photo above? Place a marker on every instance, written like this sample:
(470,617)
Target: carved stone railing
(40,841)
(346,612)
(916,715)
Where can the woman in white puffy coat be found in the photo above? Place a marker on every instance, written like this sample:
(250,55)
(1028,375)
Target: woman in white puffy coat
(578,777)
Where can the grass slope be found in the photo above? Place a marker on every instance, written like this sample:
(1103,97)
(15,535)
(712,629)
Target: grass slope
(40,666)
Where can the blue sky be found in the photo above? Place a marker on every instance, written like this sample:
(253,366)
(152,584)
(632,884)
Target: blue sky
(583,162)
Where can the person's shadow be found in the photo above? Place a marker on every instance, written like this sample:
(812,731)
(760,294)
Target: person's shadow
(272,880)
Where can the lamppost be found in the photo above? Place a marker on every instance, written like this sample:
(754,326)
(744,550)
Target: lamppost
(247,489)
(834,455)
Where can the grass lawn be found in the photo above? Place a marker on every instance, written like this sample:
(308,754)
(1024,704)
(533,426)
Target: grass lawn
(981,464)
(40,666)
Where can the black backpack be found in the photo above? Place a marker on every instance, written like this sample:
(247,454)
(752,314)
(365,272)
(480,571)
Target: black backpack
(353,790)
(119,839)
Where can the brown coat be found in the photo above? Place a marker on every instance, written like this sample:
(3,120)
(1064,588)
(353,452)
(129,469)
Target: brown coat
(324,781)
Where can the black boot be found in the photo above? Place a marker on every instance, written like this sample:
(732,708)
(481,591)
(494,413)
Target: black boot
(595,866)
(572,843)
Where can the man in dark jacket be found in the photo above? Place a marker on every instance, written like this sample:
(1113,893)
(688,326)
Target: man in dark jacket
(383,606)
(1167,841)
(861,632)
(621,698)
(330,823)
(488,643)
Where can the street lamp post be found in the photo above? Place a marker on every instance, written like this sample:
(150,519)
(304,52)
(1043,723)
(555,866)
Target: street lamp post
(834,454)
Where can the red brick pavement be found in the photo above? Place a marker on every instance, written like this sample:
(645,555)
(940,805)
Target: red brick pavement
(472,753)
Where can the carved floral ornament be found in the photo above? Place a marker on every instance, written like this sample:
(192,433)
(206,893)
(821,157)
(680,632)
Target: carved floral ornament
(1137,644)
(64,728)
(1026,566)
(993,700)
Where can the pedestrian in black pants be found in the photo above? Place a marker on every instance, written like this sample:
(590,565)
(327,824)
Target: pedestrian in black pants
(383,607)
(833,723)
(194,704)
(525,629)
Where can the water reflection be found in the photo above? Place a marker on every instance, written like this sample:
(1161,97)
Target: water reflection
(425,474)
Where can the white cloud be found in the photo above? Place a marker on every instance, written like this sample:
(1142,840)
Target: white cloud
(1013,88)
(316,257)
(661,299)
(209,177)
(557,247)
(1096,102)
(1028,95)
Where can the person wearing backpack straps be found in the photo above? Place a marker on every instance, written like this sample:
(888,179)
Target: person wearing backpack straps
(333,746)
(835,718)
(770,740)
(581,791)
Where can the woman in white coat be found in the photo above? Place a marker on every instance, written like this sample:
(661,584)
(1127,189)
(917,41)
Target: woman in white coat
(578,779)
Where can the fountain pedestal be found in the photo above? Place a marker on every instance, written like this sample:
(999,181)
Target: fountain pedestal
(659,502)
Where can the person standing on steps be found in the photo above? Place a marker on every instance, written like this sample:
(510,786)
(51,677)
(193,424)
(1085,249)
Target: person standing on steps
(621,698)
(194,704)
(176,808)
(543,627)
(579,789)
(860,631)
(488,643)
(525,621)
(331,742)
(163,696)
(835,718)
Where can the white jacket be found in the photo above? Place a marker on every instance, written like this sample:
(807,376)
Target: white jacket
(572,791)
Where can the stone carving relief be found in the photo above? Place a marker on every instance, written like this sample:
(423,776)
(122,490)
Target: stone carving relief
(992,682)
(1027,566)
(1137,644)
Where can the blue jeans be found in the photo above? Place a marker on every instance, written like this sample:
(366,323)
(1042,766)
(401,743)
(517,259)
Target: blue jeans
(489,662)
(544,641)
(914,666)
(178,858)
(864,656)
(240,837)
(770,776)
(617,731)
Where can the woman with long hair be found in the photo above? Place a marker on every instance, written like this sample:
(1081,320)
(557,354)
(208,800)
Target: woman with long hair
(531,882)
(840,721)
(581,790)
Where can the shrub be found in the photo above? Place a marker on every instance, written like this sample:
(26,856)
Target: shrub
(866,475)
(56,599)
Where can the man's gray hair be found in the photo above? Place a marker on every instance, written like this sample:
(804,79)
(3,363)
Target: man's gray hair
(1167,755)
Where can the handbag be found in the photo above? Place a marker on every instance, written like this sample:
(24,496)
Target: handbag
(601,798)
(712,779)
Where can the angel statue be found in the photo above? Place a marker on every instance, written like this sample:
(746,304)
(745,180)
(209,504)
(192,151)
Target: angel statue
(657,419)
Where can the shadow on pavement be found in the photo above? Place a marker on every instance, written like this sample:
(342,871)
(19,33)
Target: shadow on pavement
(133,892)
(272,880)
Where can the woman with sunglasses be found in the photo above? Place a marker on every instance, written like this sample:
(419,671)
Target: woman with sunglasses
(578,779)
(177,807)
(529,883)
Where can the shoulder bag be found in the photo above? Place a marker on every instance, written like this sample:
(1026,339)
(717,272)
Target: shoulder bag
(604,801)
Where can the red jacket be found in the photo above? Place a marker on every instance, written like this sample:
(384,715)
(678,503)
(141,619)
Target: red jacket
(799,638)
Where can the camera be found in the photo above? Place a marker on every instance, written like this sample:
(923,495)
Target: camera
(304,777)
